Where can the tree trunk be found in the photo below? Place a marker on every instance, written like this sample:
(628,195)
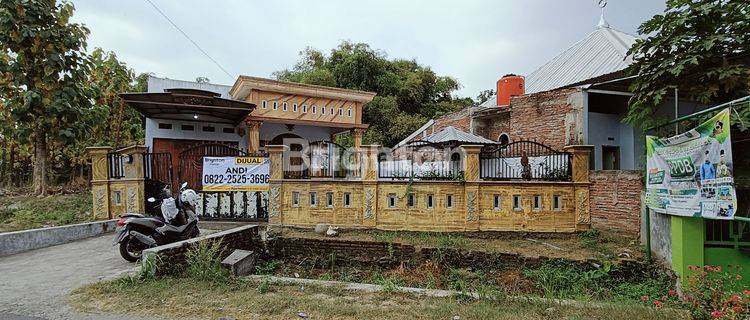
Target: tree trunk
(40,162)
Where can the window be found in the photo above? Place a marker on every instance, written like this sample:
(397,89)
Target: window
(118,198)
(449,201)
(165,126)
(275,105)
(264,104)
(284,106)
(537,202)
(329,199)
(322,110)
(209,129)
(304,108)
(504,139)
(496,202)
(430,201)
(517,203)
(391,200)
(313,199)
(341,111)
(314,109)
(350,113)
(556,203)
(295,199)
(228,130)
(294,107)
(411,200)
(610,158)
(187,127)
(347,199)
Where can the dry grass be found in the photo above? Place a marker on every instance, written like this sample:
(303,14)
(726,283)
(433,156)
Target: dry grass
(180,298)
(20,212)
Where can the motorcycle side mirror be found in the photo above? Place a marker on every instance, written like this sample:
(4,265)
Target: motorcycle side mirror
(151,199)
(183,186)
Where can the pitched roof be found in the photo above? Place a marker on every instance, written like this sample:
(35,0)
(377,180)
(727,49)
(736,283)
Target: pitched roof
(158,85)
(450,134)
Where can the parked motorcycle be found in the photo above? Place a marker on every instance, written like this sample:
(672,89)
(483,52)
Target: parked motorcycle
(136,232)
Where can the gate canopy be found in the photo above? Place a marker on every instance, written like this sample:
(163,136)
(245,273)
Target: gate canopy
(189,105)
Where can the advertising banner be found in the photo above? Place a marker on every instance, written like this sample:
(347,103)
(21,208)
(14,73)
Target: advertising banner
(691,174)
(235,173)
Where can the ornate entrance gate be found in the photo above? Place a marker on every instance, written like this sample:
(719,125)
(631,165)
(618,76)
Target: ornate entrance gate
(229,205)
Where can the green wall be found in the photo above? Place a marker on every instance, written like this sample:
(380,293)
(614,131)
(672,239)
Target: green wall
(729,256)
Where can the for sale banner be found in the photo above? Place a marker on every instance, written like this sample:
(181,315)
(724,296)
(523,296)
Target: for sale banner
(691,174)
(235,174)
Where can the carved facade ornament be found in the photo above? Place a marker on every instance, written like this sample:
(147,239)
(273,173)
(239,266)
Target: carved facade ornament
(471,199)
(369,201)
(131,200)
(274,207)
(583,208)
(100,201)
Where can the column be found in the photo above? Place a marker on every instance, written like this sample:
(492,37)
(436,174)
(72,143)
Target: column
(580,176)
(253,135)
(276,192)
(132,186)
(99,181)
(688,234)
(471,187)
(369,160)
(357,135)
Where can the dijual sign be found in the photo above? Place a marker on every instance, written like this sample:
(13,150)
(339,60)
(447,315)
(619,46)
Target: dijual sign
(691,174)
(235,174)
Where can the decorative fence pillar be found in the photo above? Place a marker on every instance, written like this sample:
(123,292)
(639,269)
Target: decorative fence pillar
(369,160)
(471,188)
(99,182)
(580,167)
(253,135)
(128,192)
(276,193)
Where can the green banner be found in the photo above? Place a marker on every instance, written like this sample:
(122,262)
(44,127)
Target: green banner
(691,174)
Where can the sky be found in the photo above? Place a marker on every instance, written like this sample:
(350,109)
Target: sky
(475,42)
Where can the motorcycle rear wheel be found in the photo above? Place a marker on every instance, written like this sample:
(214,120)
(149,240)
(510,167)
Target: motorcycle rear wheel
(131,249)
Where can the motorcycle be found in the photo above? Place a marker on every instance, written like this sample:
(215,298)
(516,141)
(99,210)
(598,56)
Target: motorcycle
(136,232)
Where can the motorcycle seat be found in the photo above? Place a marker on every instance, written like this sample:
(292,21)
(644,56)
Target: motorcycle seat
(168,228)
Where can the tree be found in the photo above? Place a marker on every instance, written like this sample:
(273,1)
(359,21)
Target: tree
(408,93)
(485,95)
(202,80)
(700,47)
(44,72)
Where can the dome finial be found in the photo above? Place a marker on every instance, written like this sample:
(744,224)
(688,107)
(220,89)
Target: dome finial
(602,22)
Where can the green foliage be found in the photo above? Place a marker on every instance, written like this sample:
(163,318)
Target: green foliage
(264,286)
(204,263)
(699,47)
(25,212)
(408,93)
(267,267)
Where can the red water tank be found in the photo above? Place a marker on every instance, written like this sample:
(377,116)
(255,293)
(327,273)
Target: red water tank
(508,86)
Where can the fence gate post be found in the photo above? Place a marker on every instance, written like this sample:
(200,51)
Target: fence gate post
(276,191)
(369,174)
(99,181)
(134,180)
(580,167)
(471,187)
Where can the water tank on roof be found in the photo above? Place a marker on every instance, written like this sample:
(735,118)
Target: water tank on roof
(508,86)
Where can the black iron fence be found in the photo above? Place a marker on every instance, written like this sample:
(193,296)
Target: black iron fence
(525,160)
(321,159)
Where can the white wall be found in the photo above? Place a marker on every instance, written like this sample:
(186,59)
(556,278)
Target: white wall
(602,127)
(153,131)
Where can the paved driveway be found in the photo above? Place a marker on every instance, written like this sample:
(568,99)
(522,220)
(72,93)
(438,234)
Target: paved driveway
(35,284)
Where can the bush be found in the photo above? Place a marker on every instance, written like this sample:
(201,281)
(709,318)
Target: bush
(204,263)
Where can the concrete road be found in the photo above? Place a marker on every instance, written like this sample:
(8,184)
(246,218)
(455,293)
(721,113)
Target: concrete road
(34,284)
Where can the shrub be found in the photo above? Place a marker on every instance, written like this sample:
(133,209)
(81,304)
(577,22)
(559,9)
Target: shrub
(204,262)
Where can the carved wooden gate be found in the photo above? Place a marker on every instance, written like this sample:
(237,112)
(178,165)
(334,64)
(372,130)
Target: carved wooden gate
(223,205)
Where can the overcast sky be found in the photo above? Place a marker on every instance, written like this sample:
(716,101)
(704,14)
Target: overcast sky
(473,41)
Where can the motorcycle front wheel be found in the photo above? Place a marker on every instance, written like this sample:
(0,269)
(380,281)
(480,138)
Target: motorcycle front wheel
(131,249)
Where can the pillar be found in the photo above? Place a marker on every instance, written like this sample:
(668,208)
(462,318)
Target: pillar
(276,191)
(580,175)
(99,182)
(357,135)
(688,234)
(369,173)
(132,186)
(471,187)
(253,135)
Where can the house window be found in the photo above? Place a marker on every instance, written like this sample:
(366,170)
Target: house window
(118,198)
(295,199)
(556,203)
(187,127)
(350,113)
(329,199)
(449,201)
(322,110)
(314,109)
(341,111)
(304,108)
(294,107)
(504,139)
(496,202)
(275,105)
(264,104)
(347,199)
(284,106)
(517,202)
(228,130)
(165,126)
(411,200)
(313,199)
(430,201)
(391,200)
(537,202)
(610,158)
(209,129)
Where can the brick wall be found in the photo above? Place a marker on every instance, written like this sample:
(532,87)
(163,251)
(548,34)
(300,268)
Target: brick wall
(615,198)
(553,118)
(171,258)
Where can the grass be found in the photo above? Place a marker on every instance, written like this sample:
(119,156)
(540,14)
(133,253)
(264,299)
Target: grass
(29,212)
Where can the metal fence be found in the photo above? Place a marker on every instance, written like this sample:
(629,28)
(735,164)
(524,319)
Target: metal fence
(429,170)
(525,160)
(115,165)
(321,159)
